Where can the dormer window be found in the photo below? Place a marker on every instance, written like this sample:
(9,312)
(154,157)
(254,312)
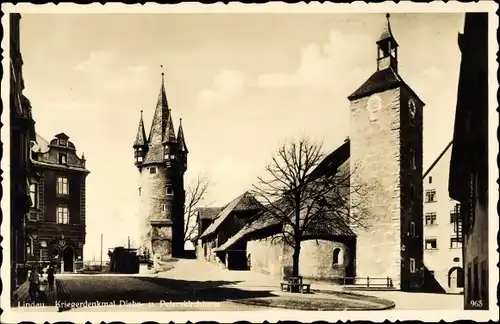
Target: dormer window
(62,142)
(139,159)
(63,158)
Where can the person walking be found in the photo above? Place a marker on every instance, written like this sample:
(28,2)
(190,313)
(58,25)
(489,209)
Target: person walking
(50,277)
(34,283)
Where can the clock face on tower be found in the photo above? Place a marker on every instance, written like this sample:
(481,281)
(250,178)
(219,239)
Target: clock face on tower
(373,106)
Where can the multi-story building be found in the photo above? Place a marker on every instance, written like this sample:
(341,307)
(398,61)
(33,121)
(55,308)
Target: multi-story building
(386,156)
(442,237)
(55,227)
(161,159)
(22,132)
(469,158)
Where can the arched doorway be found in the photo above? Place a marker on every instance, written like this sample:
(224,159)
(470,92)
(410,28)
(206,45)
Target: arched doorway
(68,258)
(456,278)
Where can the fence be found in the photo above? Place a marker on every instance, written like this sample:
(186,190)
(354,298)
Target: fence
(368,281)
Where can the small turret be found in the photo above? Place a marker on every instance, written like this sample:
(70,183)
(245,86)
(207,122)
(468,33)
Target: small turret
(183,151)
(140,144)
(387,48)
(170,142)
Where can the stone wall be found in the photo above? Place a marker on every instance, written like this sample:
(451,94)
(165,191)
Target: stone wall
(266,256)
(375,166)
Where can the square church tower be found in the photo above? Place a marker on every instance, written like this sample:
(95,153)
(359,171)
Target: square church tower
(386,159)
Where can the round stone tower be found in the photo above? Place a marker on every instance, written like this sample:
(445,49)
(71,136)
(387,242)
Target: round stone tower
(161,160)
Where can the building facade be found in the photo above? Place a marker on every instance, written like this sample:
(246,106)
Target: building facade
(468,182)
(161,159)
(386,156)
(22,132)
(55,227)
(442,238)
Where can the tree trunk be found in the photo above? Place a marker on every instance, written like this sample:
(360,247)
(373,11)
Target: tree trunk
(295,265)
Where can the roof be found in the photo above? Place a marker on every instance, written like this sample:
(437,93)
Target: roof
(180,137)
(245,202)
(208,212)
(158,125)
(41,145)
(437,160)
(387,32)
(333,160)
(260,223)
(61,136)
(140,139)
(379,81)
(169,130)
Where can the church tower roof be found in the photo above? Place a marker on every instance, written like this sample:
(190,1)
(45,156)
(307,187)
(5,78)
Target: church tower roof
(386,77)
(387,32)
(140,139)
(158,127)
(180,137)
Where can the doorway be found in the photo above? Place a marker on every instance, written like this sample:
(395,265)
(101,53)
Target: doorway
(456,278)
(68,258)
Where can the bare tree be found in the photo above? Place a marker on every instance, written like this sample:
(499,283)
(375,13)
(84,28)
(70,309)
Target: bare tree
(309,197)
(195,197)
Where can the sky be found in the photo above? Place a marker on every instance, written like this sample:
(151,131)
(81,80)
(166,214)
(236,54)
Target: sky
(242,83)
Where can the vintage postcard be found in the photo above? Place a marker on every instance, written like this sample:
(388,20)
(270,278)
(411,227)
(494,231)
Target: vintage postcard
(249,162)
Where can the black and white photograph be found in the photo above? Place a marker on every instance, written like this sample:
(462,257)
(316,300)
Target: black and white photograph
(244,162)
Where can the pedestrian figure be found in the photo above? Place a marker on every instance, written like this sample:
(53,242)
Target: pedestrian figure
(50,277)
(34,284)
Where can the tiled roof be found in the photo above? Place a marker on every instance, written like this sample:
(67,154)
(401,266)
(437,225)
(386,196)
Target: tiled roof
(332,161)
(379,81)
(169,130)
(180,137)
(245,202)
(155,151)
(387,32)
(208,212)
(140,139)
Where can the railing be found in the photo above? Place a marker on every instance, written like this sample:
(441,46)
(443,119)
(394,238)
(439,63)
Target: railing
(368,281)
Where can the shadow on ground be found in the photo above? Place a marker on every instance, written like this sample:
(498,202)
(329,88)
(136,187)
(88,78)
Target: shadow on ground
(76,291)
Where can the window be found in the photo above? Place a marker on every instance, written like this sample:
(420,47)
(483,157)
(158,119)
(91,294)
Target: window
(172,157)
(62,186)
(62,142)
(412,193)
(454,216)
(430,179)
(34,195)
(412,159)
(152,170)
(412,229)
(431,272)
(413,267)
(430,244)
(164,207)
(430,218)
(140,191)
(413,110)
(63,158)
(455,242)
(139,159)
(62,215)
(29,246)
(170,191)
(336,256)
(139,149)
(430,195)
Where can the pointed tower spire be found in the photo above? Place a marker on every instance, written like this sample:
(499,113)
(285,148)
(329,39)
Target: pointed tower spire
(387,53)
(180,138)
(158,125)
(140,139)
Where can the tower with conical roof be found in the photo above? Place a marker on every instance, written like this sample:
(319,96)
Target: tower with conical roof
(386,159)
(161,159)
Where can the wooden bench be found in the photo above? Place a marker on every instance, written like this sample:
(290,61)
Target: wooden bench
(303,288)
